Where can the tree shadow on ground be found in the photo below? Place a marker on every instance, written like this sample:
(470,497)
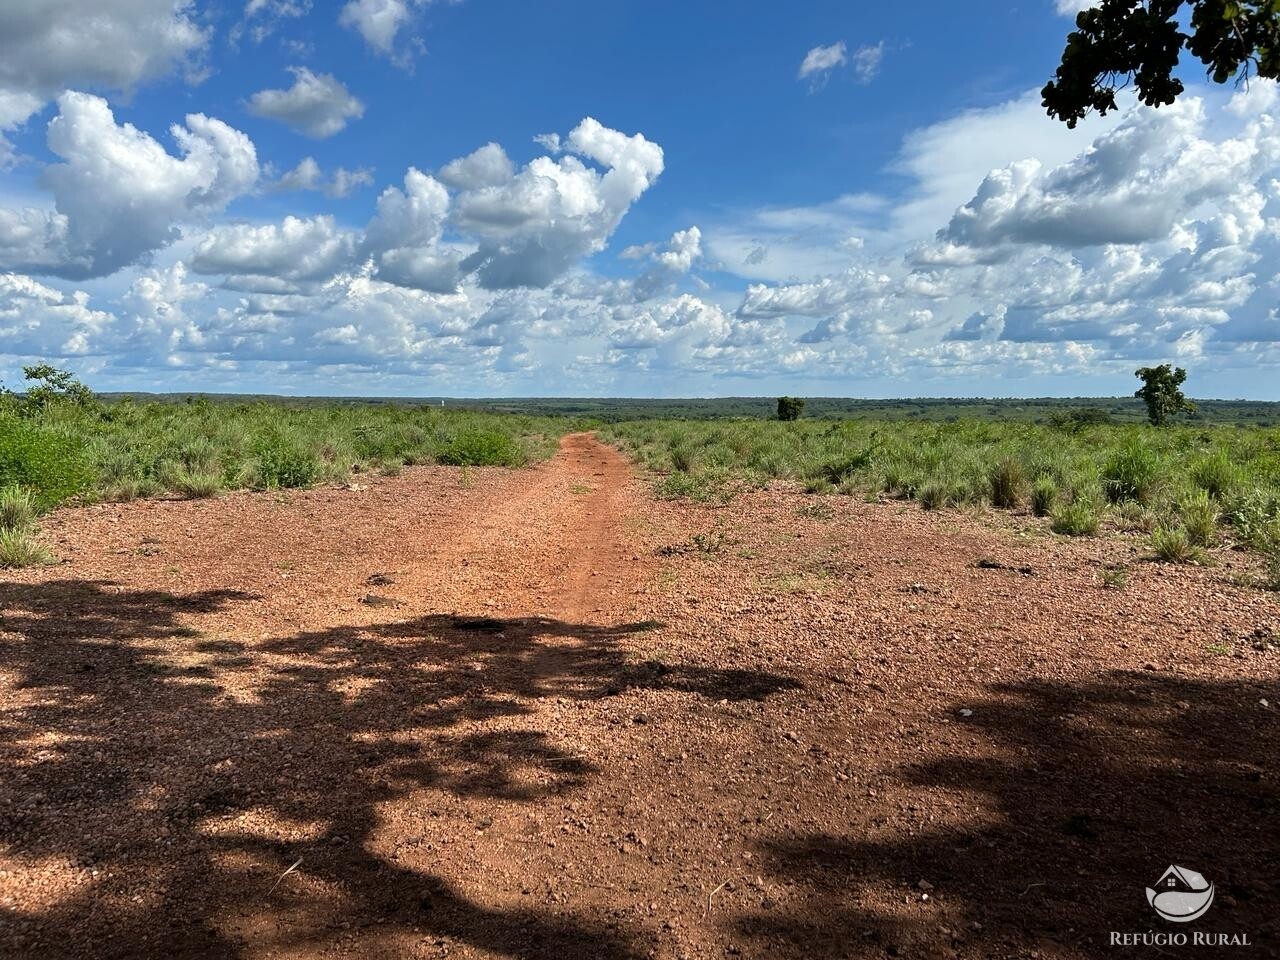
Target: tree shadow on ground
(179,774)
(1065,800)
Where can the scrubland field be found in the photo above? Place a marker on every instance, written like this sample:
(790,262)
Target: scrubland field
(381,680)
(1189,488)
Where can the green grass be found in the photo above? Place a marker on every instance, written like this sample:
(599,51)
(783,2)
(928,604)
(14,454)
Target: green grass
(124,449)
(17,509)
(1173,545)
(19,548)
(1220,483)
(1078,519)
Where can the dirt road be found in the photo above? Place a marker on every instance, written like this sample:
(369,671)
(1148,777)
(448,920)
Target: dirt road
(538,714)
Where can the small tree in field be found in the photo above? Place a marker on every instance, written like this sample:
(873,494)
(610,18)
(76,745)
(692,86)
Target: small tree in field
(790,408)
(1161,392)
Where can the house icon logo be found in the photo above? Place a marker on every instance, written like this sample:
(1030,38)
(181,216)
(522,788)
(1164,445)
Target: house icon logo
(1180,895)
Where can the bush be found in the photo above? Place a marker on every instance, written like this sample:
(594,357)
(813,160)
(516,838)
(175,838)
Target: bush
(283,464)
(18,548)
(1006,480)
(1199,518)
(683,459)
(1214,474)
(1043,497)
(1172,545)
(1134,516)
(934,495)
(195,485)
(1078,519)
(1130,473)
(482,448)
(48,464)
(701,487)
(17,509)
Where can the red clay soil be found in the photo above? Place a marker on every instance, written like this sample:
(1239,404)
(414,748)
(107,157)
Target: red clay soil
(538,714)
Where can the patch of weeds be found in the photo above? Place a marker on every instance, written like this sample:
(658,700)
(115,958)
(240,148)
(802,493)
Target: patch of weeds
(1044,496)
(1217,649)
(17,508)
(1199,516)
(699,487)
(1006,481)
(580,489)
(1114,577)
(18,548)
(1173,545)
(1215,474)
(816,511)
(683,460)
(1133,516)
(934,495)
(482,448)
(196,486)
(644,626)
(281,463)
(714,542)
(1078,519)
(1130,474)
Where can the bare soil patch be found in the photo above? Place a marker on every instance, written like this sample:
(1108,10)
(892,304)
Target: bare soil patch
(538,714)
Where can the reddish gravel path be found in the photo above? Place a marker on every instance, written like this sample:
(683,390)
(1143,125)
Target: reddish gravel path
(528,714)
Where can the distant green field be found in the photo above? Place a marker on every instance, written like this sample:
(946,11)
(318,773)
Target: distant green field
(1122,409)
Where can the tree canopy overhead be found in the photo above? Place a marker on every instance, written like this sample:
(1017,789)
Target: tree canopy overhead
(1121,42)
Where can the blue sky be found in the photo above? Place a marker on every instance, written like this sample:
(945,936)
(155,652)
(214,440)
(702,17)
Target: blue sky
(575,198)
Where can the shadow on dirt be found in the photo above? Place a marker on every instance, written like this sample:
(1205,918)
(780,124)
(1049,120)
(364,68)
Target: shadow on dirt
(166,765)
(1087,792)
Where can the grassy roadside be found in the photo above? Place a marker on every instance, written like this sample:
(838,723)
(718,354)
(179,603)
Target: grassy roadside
(58,442)
(1187,486)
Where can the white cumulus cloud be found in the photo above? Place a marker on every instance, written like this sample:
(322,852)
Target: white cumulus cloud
(118,194)
(317,104)
(49,45)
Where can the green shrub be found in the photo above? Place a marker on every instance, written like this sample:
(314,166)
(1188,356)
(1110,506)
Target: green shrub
(1044,494)
(1114,577)
(1078,519)
(1256,518)
(691,486)
(1214,474)
(196,486)
(50,465)
(683,459)
(1006,480)
(935,495)
(1130,473)
(18,548)
(1134,516)
(17,509)
(1173,545)
(482,448)
(1199,517)
(280,464)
